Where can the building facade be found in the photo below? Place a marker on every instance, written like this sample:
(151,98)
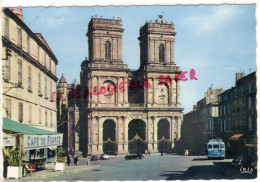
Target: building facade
(29,81)
(29,74)
(122,110)
(237,113)
(201,124)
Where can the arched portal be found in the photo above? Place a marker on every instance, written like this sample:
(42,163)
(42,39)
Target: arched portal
(109,137)
(163,133)
(136,136)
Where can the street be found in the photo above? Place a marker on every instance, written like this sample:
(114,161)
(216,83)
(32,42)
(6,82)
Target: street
(154,167)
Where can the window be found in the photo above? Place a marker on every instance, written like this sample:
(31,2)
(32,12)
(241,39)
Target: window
(161,54)
(29,79)
(51,120)
(45,87)
(45,59)
(6,22)
(222,146)
(46,117)
(50,89)
(30,114)
(50,65)
(20,71)
(38,53)
(209,146)
(28,45)
(7,70)
(250,123)
(249,88)
(39,84)
(107,50)
(40,116)
(20,112)
(215,146)
(8,108)
(249,102)
(19,36)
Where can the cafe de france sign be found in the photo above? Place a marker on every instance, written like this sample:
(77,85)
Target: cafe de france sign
(41,141)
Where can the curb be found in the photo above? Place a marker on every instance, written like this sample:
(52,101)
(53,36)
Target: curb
(54,174)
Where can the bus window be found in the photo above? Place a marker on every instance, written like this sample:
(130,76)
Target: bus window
(222,146)
(215,146)
(209,146)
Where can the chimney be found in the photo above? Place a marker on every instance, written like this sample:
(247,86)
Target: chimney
(194,107)
(239,76)
(18,12)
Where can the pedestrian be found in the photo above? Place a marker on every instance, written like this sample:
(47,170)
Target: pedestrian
(149,151)
(187,152)
(68,159)
(161,153)
(75,160)
(88,161)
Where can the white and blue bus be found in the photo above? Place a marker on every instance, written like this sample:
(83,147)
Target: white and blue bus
(216,149)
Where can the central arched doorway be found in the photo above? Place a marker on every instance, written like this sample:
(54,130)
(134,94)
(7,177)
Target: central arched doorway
(136,136)
(109,137)
(163,133)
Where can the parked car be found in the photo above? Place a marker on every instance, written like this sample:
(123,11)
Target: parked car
(243,160)
(134,156)
(94,158)
(104,157)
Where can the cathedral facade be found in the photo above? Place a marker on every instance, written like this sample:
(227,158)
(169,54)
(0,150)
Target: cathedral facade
(124,111)
(116,110)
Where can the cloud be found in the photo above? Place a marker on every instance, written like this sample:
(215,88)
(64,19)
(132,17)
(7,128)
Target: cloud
(213,20)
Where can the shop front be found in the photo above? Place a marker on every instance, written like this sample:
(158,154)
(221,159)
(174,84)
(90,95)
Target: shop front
(37,146)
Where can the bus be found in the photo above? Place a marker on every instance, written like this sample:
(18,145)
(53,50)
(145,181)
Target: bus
(216,149)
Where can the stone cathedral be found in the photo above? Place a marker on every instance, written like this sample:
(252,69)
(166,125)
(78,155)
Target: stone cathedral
(125,111)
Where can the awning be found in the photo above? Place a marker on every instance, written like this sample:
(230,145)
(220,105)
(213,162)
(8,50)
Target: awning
(33,138)
(17,127)
(236,136)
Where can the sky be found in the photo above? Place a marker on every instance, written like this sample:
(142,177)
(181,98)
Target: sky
(215,41)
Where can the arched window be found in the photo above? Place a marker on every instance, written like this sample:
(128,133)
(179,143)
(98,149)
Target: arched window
(107,50)
(161,53)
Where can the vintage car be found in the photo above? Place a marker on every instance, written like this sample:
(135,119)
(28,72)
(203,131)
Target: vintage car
(134,156)
(104,157)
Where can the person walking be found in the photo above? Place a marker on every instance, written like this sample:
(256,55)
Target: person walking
(75,160)
(68,159)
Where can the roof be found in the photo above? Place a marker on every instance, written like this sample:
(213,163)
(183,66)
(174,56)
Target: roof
(62,79)
(17,127)
(29,31)
(236,136)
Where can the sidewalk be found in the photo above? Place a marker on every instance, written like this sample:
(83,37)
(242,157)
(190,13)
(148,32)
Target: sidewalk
(49,173)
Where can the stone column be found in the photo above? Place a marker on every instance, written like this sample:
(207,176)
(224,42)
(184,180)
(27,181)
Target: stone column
(119,49)
(116,91)
(114,47)
(125,135)
(156,52)
(100,135)
(150,133)
(126,90)
(155,138)
(154,90)
(102,50)
(168,52)
(172,132)
(96,48)
(98,88)
(89,135)
(172,52)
